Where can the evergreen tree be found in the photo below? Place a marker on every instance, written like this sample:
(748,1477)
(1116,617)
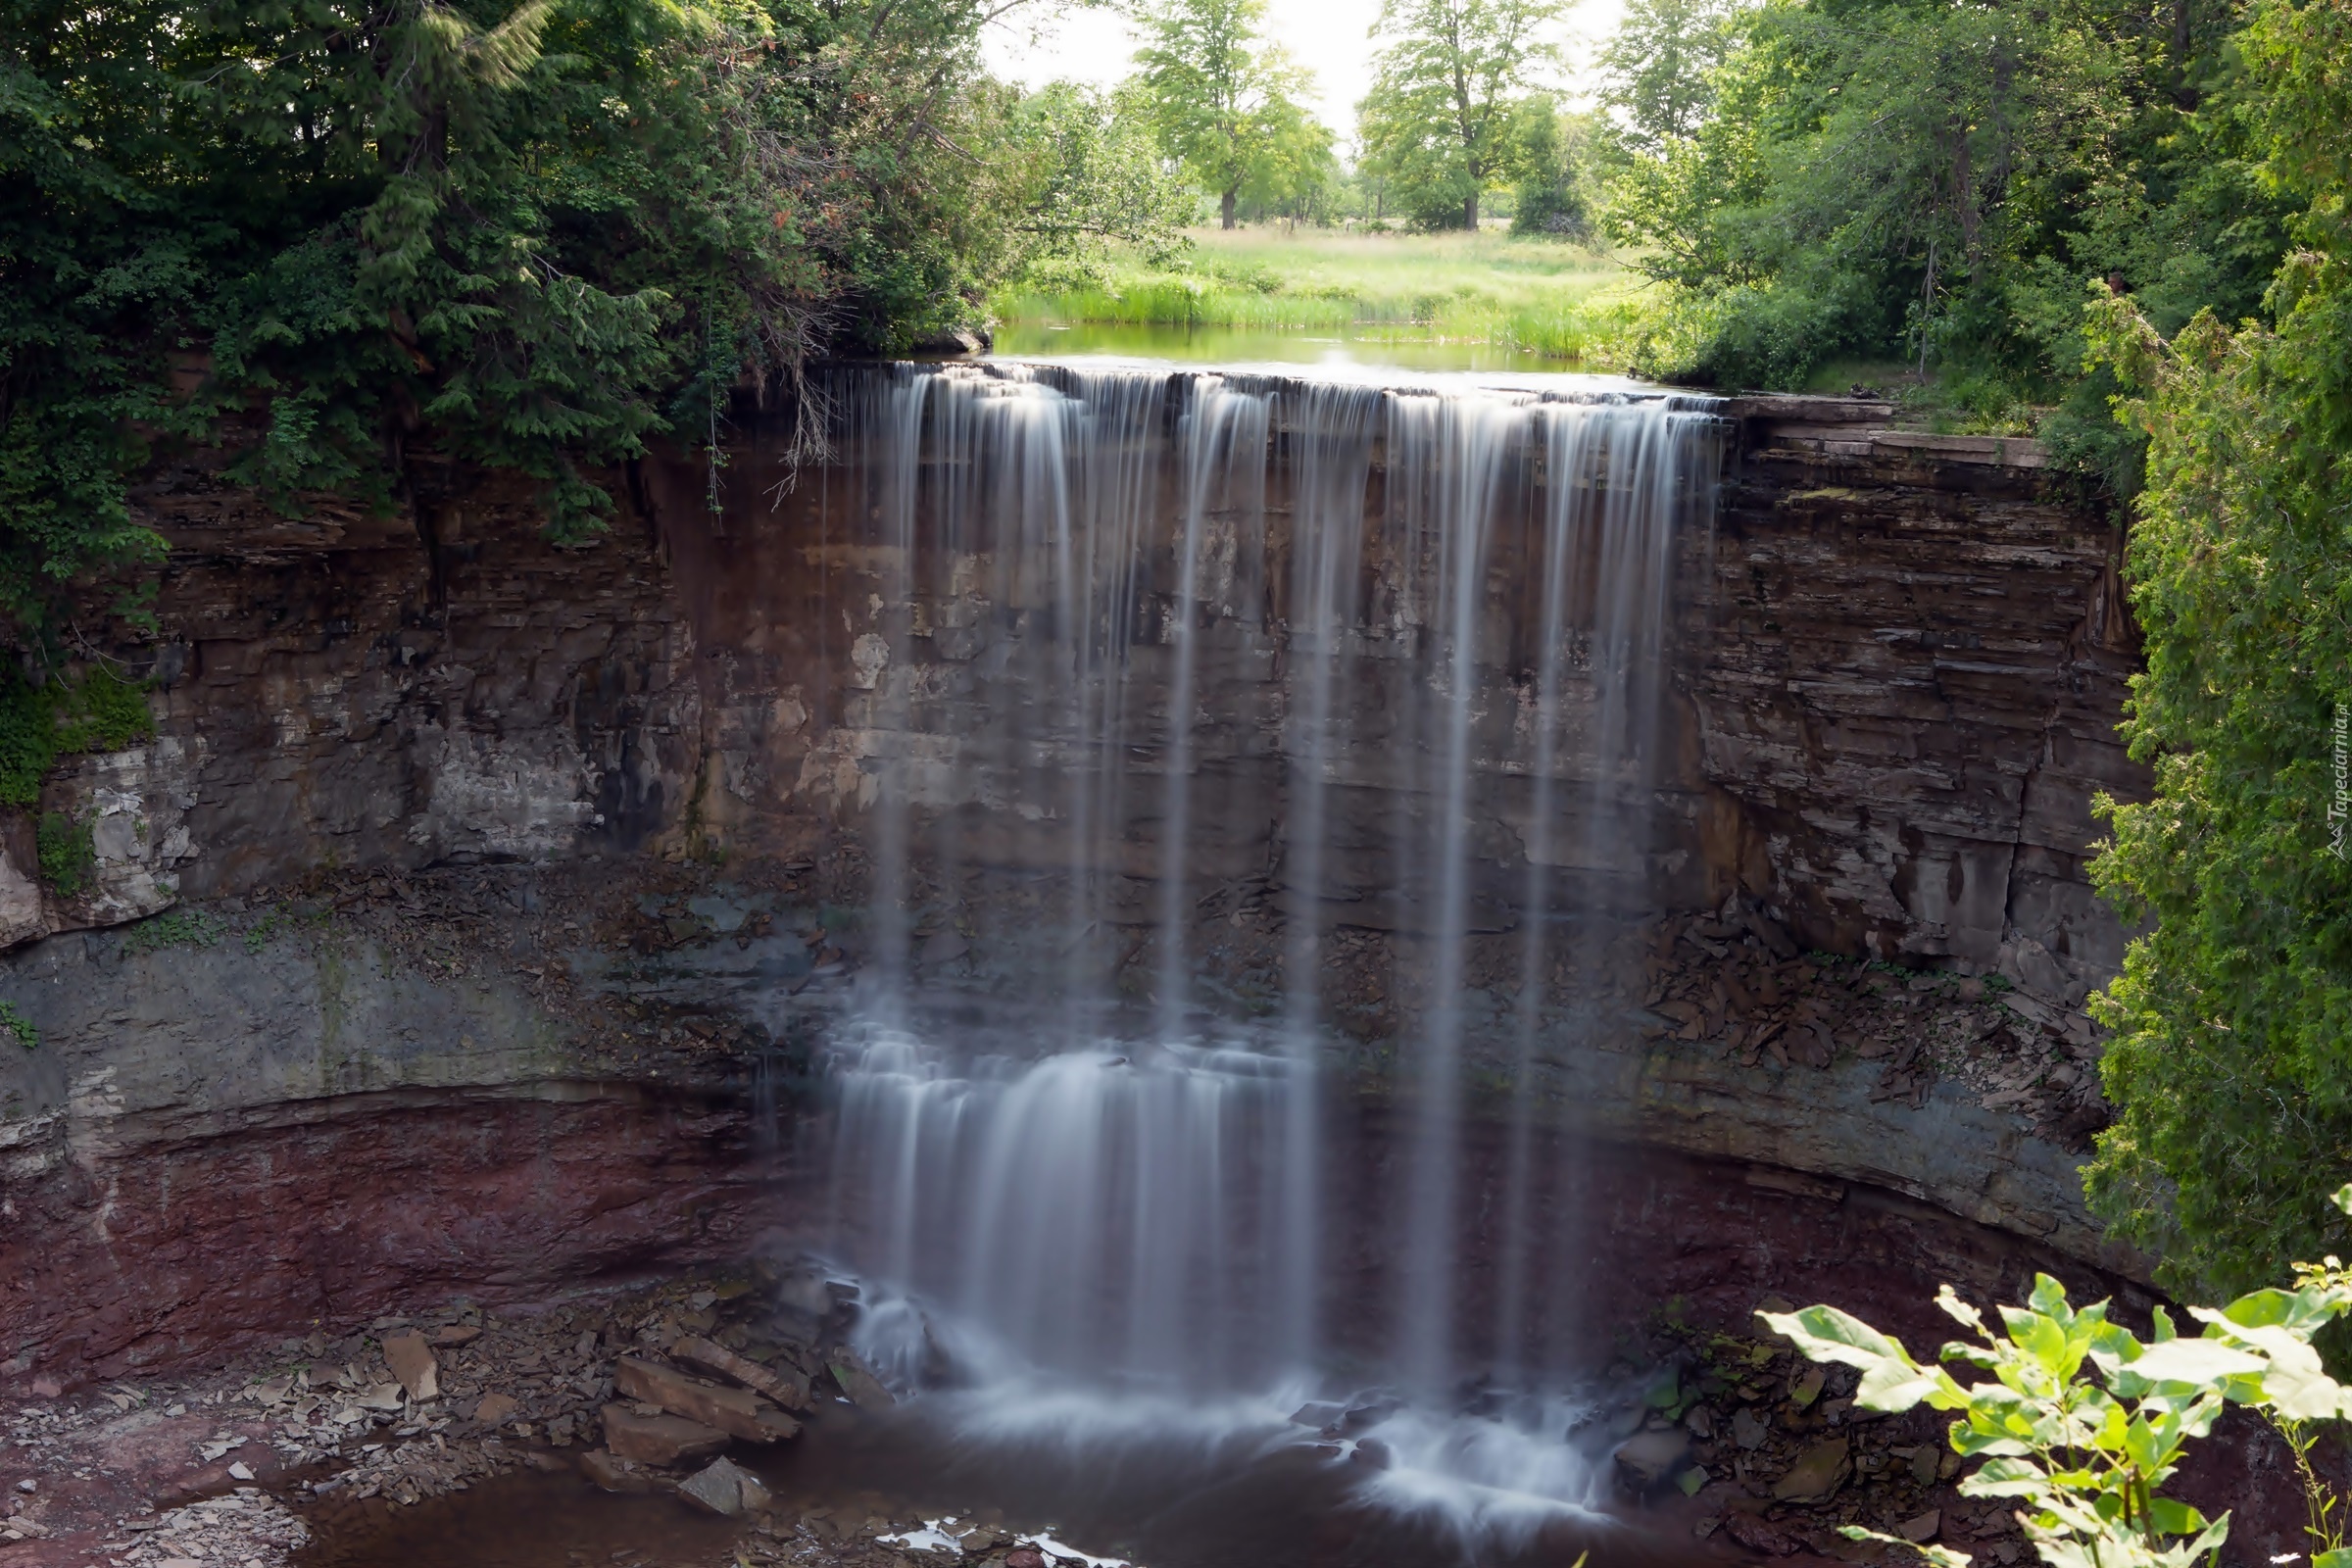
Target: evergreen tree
(2232,1064)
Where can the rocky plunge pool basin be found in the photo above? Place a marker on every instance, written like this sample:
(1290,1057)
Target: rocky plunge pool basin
(317,1453)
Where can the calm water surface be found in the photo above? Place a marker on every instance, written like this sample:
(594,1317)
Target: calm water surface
(1368,346)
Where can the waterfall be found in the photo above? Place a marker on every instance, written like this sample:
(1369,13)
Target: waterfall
(1187,697)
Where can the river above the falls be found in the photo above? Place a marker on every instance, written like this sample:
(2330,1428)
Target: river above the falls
(1371,348)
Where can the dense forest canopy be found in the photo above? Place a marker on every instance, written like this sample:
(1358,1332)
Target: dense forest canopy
(535,236)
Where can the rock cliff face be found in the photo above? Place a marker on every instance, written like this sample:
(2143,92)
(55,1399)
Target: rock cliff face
(493,863)
(1915,656)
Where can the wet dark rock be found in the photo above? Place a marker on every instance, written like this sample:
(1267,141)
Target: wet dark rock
(1646,1460)
(1757,1536)
(659,1440)
(953,342)
(1748,1429)
(1816,1474)
(865,1390)
(734,1411)
(716,1357)
(613,1473)
(724,1488)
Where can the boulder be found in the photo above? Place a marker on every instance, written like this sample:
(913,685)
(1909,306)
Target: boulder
(724,1486)
(734,1411)
(1757,1536)
(613,1473)
(865,1391)
(659,1440)
(1647,1459)
(495,1409)
(411,1361)
(944,947)
(716,1357)
(953,340)
(1748,1429)
(1817,1475)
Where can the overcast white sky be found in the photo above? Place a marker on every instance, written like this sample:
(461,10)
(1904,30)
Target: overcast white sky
(1330,38)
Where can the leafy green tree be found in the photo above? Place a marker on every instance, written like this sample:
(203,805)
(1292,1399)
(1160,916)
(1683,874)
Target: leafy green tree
(1295,176)
(1443,118)
(1555,160)
(1223,96)
(1093,179)
(2231,1062)
(1659,68)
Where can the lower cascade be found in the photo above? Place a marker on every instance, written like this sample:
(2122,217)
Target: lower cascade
(1120,1194)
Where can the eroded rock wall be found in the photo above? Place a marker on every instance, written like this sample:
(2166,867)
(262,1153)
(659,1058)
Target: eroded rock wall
(1915,655)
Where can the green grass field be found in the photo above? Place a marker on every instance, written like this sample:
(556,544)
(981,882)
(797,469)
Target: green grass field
(1545,300)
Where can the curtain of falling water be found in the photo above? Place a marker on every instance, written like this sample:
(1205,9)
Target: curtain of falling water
(1224,444)
(1447,459)
(1059,556)
(1330,430)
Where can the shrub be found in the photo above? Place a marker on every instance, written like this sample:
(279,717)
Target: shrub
(2088,1456)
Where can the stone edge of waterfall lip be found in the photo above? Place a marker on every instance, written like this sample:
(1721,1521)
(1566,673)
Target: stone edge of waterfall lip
(1398,377)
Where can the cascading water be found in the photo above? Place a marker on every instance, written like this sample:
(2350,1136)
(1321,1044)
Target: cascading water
(1150,650)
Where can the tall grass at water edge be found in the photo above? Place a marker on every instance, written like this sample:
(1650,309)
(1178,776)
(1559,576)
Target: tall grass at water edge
(1548,300)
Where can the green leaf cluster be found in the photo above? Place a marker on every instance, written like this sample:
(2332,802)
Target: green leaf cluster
(38,724)
(67,853)
(2082,1422)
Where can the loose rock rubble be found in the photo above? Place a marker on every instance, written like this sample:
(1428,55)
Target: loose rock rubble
(1771,1450)
(244,1527)
(1736,980)
(245,1466)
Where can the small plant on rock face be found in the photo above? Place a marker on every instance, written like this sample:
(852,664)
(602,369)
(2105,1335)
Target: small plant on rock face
(18,1027)
(67,852)
(2086,1458)
(179,928)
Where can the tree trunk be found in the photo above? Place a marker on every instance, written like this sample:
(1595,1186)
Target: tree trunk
(1228,205)
(1470,211)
